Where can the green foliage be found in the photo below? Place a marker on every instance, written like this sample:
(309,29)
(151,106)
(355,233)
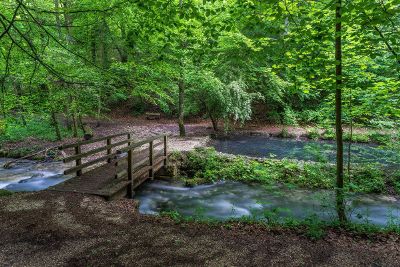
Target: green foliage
(289,117)
(5,193)
(205,165)
(37,128)
(86,57)
(313,133)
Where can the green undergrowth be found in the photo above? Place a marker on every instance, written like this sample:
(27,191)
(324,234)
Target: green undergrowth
(371,136)
(205,165)
(37,128)
(312,227)
(5,193)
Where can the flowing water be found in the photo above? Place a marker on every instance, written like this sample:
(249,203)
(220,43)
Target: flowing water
(226,199)
(29,175)
(261,146)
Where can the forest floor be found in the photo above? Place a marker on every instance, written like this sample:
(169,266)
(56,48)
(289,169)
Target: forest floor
(53,229)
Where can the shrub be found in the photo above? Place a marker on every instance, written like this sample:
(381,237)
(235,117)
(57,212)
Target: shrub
(329,134)
(313,133)
(356,137)
(380,138)
(5,193)
(289,117)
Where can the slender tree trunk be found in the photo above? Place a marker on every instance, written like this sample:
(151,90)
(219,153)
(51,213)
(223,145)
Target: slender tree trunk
(181,85)
(181,106)
(214,123)
(74,125)
(81,125)
(54,122)
(340,203)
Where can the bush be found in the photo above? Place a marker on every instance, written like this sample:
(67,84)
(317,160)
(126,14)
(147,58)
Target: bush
(313,134)
(380,138)
(289,117)
(5,193)
(329,134)
(356,137)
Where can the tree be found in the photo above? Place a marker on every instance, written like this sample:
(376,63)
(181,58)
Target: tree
(339,130)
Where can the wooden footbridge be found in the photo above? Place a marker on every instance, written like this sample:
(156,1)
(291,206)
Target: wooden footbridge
(127,163)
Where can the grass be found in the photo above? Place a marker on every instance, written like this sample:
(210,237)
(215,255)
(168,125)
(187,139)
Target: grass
(205,165)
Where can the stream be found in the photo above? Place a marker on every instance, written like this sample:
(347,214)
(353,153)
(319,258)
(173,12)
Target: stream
(227,199)
(324,151)
(29,175)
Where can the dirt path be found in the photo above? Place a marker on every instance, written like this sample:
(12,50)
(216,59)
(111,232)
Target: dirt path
(54,229)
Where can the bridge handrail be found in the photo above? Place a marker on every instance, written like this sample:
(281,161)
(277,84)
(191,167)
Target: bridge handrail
(81,143)
(137,169)
(78,156)
(139,144)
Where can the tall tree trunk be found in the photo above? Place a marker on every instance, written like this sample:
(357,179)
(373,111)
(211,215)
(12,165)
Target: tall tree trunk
(181,106)
(54,122)
(340,202)
(93,46)
(104,45)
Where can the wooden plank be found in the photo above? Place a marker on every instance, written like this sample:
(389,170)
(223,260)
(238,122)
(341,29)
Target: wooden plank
(87,164)
(141,171)
(138,144)
(94,151)
(81,143)
(158,144)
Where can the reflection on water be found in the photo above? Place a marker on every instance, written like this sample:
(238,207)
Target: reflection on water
(30,175)
(261,146)
(224,200)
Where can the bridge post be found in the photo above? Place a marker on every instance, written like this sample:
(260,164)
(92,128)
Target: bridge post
(151,150)
(79,160)
(129,138)
(130,174)
(165,150)
(109,150)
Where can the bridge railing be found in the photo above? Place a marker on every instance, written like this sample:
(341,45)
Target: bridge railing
(136,163)
(78,155)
